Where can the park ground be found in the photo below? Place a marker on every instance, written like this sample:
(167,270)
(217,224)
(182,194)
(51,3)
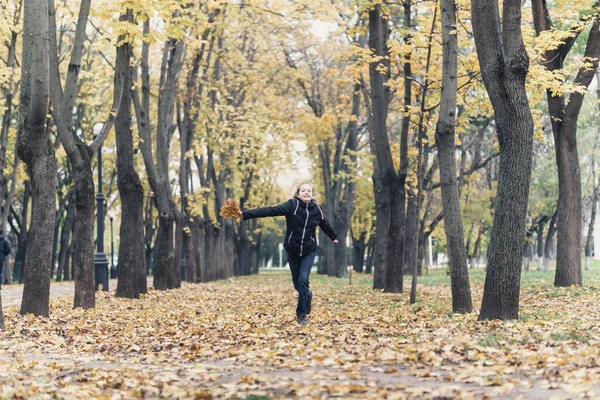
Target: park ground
(238,339)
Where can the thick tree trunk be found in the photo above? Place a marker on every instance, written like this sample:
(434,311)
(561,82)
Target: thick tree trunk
(568,240)
(359,246)
(394,220)
(164,245)
(132,267)
(504,64)
(380,243)
(35,149)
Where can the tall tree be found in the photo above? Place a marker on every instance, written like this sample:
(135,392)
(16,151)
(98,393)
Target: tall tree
(79,153)
(504,63)
(8,89)
(589,243)
(564,112)
(444,137)
(385,175)
(35,149)
(132,265)
(166,276)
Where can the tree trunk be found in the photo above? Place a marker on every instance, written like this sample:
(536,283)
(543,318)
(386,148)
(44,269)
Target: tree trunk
(394,217)
(19,261)
(158,175)
(370,255)
(548,247)
(35,149)
(446,145)
(410,226)
(149,230)
(380,243)
(540,244)
(199,249)
(504,64)
(85,288)
(564,113)
(132,267)
(164,247)
(79,153)
(7,118)
(67,224)
(589,244)
(359,246)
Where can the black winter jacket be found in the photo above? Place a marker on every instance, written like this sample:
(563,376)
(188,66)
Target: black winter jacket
(4,249)
(301,221)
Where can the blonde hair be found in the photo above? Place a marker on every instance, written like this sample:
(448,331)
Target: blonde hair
(297,192)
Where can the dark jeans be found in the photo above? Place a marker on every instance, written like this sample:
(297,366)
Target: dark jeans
(300,267)
(1,272)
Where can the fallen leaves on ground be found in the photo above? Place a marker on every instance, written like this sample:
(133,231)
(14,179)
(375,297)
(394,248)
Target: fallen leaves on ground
(238,338)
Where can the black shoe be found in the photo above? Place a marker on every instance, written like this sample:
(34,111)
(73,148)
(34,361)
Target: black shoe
(309,303)
(301,318)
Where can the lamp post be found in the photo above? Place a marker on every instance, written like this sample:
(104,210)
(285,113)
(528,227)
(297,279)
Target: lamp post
(100,259)
(113,267)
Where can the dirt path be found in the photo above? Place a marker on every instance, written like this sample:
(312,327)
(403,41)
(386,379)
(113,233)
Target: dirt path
(237,338)
(12,294)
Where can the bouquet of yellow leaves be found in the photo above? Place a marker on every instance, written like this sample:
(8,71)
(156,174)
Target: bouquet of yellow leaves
(230,209)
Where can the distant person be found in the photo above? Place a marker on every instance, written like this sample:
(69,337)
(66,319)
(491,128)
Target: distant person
(4,251)
(302,216)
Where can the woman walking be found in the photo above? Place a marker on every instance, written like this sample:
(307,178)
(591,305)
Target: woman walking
(302,216)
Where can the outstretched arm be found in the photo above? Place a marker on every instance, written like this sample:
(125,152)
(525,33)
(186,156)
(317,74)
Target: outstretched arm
(328,230)
(271,211)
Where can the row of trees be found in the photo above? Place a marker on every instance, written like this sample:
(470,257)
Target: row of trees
(209,101)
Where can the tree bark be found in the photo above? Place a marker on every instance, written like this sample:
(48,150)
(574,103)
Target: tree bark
(540,242)
(504,64)
(446,145)
(589,244)
(410,227)
(35,149)
(564,114)
(394,216)
(19,263)
(79,153)
(7,118)
(548,247)
(158,175)
(132,267)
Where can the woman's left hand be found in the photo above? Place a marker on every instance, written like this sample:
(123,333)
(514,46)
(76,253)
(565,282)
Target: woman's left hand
(336,241)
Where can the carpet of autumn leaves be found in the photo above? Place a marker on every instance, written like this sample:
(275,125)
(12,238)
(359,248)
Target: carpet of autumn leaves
(238,339)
